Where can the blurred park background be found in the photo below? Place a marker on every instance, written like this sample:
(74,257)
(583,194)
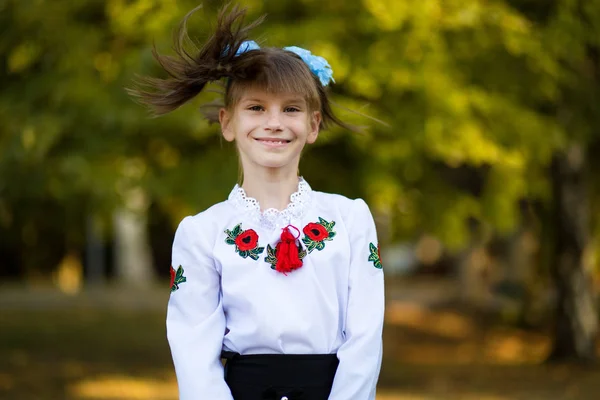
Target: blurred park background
(484,183)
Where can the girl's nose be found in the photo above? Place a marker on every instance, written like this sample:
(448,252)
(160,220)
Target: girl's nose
(274,121)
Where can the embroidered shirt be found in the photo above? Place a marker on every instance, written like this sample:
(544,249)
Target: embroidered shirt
(226,294)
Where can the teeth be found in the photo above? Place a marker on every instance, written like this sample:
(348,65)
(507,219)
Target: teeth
(275,141)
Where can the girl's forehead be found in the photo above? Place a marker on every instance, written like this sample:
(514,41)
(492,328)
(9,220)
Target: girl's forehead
(256,93)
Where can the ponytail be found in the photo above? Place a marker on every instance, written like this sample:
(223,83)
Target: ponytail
(189,73)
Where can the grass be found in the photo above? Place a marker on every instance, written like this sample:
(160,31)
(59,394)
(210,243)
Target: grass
(60,354)
(75,351)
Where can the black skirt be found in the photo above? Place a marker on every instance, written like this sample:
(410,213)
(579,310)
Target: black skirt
(280,376)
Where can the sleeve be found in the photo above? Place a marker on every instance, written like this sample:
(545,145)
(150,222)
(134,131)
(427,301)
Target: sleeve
(195,318)
(361,353)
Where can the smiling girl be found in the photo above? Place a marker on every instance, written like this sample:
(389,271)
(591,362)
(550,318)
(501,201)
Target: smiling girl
(282,281)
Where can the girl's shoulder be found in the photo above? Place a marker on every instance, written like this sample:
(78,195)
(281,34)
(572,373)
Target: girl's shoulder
(346,207)
(207,219)
(333,199)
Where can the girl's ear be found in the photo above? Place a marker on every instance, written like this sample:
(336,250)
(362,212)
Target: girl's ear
(315,123)
(225,121)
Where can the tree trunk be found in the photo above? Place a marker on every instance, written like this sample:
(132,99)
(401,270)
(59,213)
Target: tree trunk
(576,318)
(133,256)
(95,257)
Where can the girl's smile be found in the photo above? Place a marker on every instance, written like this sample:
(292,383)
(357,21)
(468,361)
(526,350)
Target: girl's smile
(273,143)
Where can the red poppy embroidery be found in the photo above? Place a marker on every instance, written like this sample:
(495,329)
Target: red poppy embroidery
(245,242)
(315,234)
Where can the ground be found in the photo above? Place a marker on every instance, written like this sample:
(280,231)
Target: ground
(110,344)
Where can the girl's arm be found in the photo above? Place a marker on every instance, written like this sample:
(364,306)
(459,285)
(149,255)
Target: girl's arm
(195,318)
(360,355)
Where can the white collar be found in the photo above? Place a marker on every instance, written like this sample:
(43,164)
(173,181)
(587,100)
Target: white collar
(273,218)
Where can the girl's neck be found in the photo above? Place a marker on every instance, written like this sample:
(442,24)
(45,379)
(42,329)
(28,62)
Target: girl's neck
(271,190)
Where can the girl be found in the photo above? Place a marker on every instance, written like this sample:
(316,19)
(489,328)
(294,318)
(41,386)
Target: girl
(283,281)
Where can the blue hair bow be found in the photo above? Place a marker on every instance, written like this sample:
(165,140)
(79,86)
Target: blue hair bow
(247,46)
(317,65)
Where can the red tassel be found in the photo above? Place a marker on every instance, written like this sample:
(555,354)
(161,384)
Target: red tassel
(287,252)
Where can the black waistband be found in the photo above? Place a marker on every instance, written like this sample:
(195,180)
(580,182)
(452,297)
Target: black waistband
(295,375)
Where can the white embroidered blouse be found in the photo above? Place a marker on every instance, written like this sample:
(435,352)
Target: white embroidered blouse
(226,294)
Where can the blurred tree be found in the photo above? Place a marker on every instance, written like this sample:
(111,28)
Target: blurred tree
(487,101)
(73,146)
(481,97)
(573,34)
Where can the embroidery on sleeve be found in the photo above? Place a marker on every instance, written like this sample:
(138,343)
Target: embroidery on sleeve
(245,242)
(315,234)
(375,256)
(177,278)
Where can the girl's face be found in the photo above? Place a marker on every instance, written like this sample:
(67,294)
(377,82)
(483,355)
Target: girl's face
(270,129)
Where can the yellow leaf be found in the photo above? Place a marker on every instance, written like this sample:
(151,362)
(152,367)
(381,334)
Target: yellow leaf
(22,56)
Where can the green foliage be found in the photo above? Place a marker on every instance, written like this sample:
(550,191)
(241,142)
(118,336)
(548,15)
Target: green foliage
(470,86)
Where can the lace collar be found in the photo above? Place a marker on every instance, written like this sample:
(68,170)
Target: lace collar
(273,218)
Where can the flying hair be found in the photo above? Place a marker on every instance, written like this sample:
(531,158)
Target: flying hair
(272,69)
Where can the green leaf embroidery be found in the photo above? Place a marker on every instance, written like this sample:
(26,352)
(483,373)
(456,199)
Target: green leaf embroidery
(328,225)
(271,258)
(230,236)
(310,244)
(179,279)
(306,240)
(301,253)
(254,253)
(374,256)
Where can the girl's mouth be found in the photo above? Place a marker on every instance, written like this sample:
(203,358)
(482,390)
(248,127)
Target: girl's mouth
(273,143)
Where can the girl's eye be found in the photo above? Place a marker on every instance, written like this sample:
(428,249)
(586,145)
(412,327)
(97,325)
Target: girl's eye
(255,108)
(292,109)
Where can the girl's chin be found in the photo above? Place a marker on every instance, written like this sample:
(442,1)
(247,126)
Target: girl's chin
(274,166)
(271,163)
(274,159)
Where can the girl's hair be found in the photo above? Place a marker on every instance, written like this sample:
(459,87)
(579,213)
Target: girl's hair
(272,69)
